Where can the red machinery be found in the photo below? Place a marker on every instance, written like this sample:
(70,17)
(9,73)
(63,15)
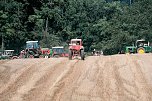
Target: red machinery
(76,49)
(45,52)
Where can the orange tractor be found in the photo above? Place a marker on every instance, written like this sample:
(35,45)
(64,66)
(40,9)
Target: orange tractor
(76,49)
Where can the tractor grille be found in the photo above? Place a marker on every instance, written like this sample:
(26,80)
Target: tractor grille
(76,47)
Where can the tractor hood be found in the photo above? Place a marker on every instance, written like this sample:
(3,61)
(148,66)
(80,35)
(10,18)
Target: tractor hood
(76,47)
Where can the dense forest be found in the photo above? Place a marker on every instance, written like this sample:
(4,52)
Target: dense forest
(101,24)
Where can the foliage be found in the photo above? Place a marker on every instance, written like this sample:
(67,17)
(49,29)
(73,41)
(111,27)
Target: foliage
(101,25)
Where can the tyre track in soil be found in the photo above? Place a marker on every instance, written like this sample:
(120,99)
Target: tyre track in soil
(9,73)
(110,86)
(113,87)
(143,88)
(95,76)
(104,78)
(136,89)
(125,89)
(58,84)
(107,89)
(13,87)
(47,81)
(90,82)
(24,90)
(71,83)
(145,62)
(13,78)
(3,61)
(99,90)
(101,80)
(3,77)
(94,80)
(89,74)
(130,92)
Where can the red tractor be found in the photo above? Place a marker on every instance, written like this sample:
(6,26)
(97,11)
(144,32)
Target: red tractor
(76,49)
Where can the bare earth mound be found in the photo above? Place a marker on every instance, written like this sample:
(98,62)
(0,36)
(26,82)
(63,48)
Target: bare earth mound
(104,78)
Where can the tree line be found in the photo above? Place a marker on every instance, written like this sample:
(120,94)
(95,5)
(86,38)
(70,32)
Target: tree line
(100,24)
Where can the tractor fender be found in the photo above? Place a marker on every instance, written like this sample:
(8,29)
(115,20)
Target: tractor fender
(141,50)
(70,47)
(82,48)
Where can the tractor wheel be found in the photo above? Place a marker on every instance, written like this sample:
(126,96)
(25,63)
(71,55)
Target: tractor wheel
(141,50)
(31,56)
(14,57)
(70,55)
(56,56)
(82,54)
(46,56)
(36,55)
(41,56)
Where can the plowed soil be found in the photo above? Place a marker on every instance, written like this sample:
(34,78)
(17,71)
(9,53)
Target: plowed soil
(97,78)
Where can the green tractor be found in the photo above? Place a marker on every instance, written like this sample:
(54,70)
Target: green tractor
(141,46)
(32,50)
(58,52)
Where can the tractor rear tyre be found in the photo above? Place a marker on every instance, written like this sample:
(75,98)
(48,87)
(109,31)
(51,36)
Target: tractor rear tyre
(82,54)
(36,55)
(70,55)
(31,56)
(41,56)
(56,56)
(140,50)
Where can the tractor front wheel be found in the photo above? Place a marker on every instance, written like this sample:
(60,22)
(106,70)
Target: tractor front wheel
(82,54)
(70,55)
(31,56)
(141,50)
(41,56)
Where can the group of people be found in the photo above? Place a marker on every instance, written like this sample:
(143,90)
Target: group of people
(97,53)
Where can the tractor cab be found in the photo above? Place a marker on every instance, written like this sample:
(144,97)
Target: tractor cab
(58,51)
(142,43)
(141,46)
(32,45)
(7,54)
(76,42)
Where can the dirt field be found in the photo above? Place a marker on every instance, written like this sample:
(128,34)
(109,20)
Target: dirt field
(104,78)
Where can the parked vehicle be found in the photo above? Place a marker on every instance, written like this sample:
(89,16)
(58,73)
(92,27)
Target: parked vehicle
(76,49)
(141,46)
(32,50)
(59,52)
(7,54)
